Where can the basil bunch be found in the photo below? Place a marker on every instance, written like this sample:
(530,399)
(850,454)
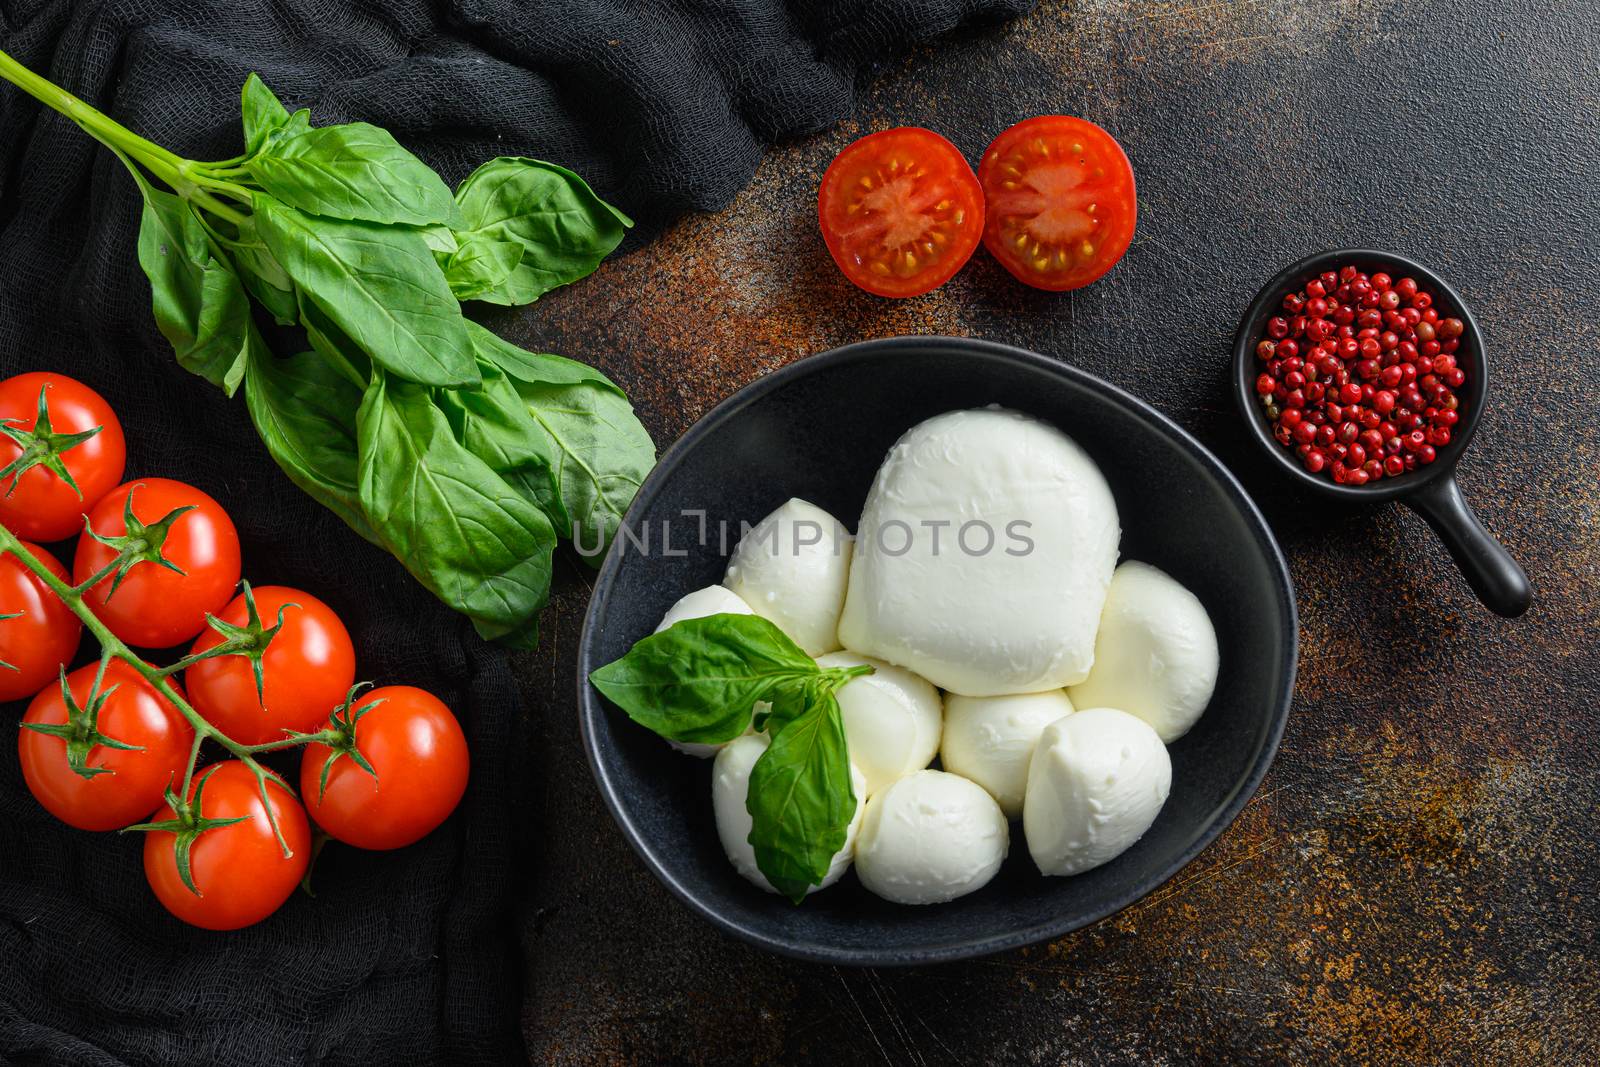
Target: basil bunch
(699,681)
(463,455)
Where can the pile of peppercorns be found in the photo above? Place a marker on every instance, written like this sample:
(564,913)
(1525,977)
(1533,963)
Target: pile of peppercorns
(1361,375)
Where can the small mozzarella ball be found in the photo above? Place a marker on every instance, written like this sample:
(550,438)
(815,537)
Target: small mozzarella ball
(702,603)
(792,568)
(892,719)
(930,837)
(712,600)
(1155,655)
(991,740)
(730,782)
(1097,780)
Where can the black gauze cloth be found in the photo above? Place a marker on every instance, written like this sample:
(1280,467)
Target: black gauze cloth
(409,956)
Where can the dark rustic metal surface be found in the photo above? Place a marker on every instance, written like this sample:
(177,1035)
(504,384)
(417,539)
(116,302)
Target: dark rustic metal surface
(1417,879)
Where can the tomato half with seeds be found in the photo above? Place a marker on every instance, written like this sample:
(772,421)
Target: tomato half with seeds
(154,606)
(239,869)
(38,633)
(135,779)
(306,669)
(37,503)
(418,757)
(901,211)
(1060,201)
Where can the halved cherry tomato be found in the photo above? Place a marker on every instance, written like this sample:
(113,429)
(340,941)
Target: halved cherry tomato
(901,211)
(1060,201)
(305,672)
(155,607)
(419,757)
(38,633)
(134,714)
(240,870)
(39,505)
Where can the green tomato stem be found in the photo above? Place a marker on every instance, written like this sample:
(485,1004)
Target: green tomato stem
(112,647)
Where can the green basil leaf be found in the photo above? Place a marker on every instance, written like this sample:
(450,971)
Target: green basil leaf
(352,171)
(332,343)
(304,411)
(263,113)
(801,799)
(564,228)
(495,425)
(699,680)
(196,298)
(599,452)
(536,368)
(440,239)
(380,285)
(456,525)
(263,275)
(480,264)
(524,638)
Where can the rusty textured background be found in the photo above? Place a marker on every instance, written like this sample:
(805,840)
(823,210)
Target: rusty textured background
(1416,881)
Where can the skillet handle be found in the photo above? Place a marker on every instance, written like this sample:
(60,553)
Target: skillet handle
(1498,579)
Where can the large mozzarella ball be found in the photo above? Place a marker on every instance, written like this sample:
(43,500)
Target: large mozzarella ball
(1097,781)
(892,719)
(730,782)
(792,568)
(1156,654)
(712,600)
(930,837)
(983,556)
(991,740)
(702,603)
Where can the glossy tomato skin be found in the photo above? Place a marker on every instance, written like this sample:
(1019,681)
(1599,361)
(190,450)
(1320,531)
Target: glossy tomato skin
(306,671)
(45,633)
(42,507)
(240,869)
(900,211)
(156,607)
(420,755)
(1061,201)
(134,714)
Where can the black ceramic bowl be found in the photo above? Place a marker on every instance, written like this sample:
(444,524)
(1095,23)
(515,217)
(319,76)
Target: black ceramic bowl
(818,429)
(1430,491)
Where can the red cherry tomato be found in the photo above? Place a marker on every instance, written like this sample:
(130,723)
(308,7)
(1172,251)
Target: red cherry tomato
(1060,201)
(419,754)
(156,607)
(134,714)
(239,869)
(42,633)
(306,670)
(900,211)
(40,506)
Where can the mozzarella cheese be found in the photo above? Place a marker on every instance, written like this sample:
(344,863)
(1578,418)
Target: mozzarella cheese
(1097,780)
(983,556)
(930,837)
(712,600)
(1156,653)
(991,740)
(730,782)
(792,568)
(892,719)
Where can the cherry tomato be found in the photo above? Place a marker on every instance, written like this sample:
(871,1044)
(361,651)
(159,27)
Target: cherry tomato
(1060,198)
(156,607)
(306,670)
(419,754)
(240,870)
(134,714)
(42,632)
(901,211)
(41,506)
